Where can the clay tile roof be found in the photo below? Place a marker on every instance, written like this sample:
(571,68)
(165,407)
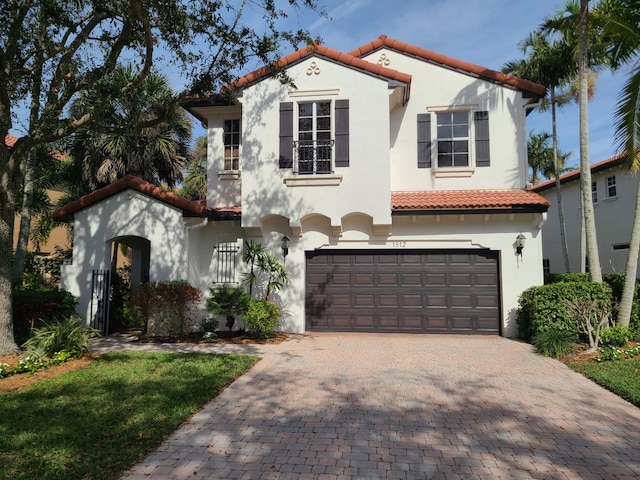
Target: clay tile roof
(10,140)
(134,183)
(575,174)
(323,51)
(431,56)
(453,200)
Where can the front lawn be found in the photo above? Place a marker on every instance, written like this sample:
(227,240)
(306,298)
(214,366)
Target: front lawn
(621,377)
(96,422)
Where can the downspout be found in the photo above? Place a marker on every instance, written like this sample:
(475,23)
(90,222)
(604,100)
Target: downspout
(543,220)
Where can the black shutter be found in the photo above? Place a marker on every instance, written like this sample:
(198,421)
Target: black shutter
(286,135)
(481,121)
(424,140)
(342,133)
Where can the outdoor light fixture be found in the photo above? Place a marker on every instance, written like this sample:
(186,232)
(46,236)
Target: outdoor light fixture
(520,239)
(284,244)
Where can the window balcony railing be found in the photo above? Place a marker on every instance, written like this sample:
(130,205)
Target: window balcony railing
(313,157)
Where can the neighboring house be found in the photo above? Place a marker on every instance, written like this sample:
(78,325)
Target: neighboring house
(613,191)
(397,173)
(59,236)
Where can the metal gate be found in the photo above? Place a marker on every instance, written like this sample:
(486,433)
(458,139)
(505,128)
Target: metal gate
(100,300)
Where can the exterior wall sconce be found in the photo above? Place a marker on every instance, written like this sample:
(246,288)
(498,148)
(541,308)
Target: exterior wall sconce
(520,239)
(284,244)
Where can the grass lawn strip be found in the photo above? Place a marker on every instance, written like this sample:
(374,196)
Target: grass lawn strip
(620,377)
(98,421)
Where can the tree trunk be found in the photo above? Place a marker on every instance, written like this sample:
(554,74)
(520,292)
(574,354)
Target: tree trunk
(8,182)
(25,219)
(595,272)
(563,229)
(626,302)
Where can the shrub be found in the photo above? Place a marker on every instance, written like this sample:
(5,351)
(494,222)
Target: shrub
(228,301)
(550,278)
(616,336)
(31,306)
(545,307)
(554,343)
(169,309)
(616,282)
(53,336)
(262,318)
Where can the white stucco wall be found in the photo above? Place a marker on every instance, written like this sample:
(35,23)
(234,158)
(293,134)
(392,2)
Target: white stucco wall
(614,221)
(434,87)
(128,213)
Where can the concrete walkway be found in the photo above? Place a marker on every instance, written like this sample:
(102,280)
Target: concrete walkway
(347,406)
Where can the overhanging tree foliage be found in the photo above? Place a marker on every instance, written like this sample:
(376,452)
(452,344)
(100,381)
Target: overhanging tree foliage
(53,50)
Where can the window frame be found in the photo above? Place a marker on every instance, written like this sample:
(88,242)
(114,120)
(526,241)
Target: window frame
(310,158)
(612,184)
(231,161)
(453,139)
(594,192)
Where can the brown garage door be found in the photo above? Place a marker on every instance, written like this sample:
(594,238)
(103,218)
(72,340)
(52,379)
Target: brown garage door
(427,291)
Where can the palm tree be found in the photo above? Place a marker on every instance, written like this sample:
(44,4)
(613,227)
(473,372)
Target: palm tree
(549,63)
(541,158)
(621,20)
(133,143)
(194,186)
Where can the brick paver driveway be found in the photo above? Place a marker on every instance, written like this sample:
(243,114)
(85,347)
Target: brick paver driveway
(333,406)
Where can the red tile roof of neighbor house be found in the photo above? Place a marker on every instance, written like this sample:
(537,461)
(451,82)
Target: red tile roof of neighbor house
(134,183)
(575,174)
(431,56)
(455,200)
(323,51)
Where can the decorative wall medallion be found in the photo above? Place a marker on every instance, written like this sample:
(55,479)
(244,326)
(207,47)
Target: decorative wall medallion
(384,60)
(313,69)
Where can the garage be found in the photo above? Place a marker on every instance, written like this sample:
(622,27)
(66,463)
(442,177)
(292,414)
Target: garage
(407,291)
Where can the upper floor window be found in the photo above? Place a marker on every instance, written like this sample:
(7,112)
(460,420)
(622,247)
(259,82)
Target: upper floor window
(611,187)
(453,139)
(462,139)
(320,140)
(231,144)
(314,145)
(594,192)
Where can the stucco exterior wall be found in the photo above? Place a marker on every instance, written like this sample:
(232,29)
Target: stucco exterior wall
(128,213)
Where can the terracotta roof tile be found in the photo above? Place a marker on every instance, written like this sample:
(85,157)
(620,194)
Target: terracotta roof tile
(429,55)
(323,51)
(134,183)
(575,174)
(447,200)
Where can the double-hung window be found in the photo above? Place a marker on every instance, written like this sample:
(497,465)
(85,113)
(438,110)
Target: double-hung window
(594,192)
(231,144)
(453,139)
(611,187)
(314,145)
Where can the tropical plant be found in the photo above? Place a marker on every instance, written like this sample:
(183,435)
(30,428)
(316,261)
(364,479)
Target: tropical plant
(262,318)
(228,301)
(554,343)
(157,153)
(253,252)
(194,186)
(541,157)
(277,276)
(67,334)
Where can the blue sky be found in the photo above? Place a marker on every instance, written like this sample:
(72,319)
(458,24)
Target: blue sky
(484,32)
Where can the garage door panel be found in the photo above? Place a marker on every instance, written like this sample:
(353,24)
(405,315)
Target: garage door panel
(403,291)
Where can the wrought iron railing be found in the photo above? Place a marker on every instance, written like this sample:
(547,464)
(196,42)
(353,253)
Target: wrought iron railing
(313,156)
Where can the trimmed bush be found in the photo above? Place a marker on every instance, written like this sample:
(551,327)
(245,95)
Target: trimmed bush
(545,307)
(169,309)
(262,318)
(616,336)
(550,278)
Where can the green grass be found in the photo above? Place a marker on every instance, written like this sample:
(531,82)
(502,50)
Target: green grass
(96,422)
(621,377)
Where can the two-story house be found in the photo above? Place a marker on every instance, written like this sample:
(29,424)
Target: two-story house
(397,174)
(613,193)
